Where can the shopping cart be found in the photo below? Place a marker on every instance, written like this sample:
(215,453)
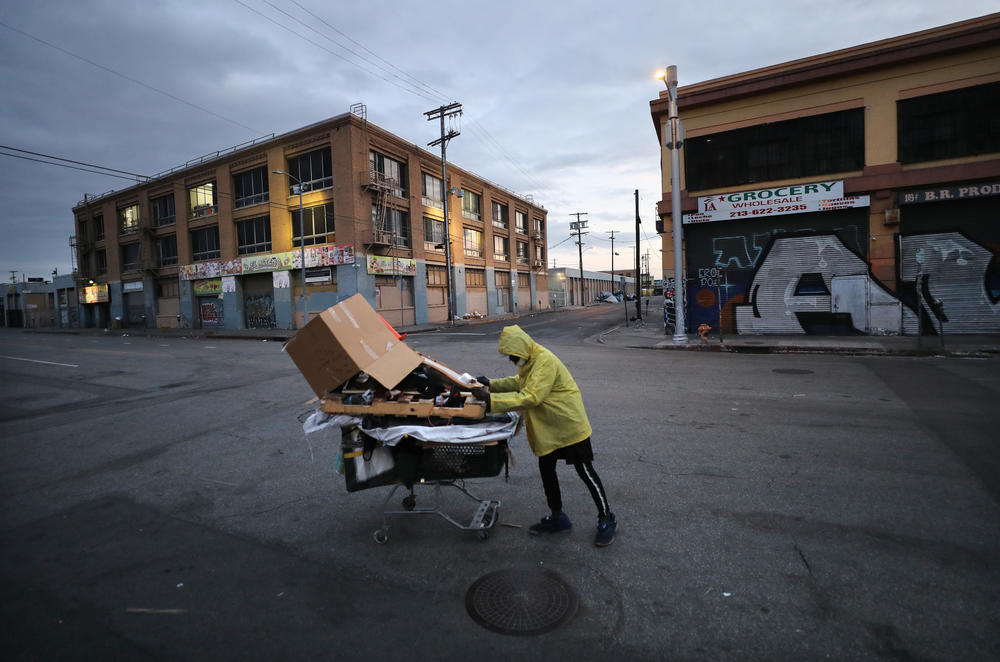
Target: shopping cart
(413,465)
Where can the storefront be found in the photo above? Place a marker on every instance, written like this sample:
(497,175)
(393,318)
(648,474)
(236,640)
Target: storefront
(764,261)
(210,308)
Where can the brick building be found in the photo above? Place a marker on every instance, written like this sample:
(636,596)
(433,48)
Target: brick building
(217,242)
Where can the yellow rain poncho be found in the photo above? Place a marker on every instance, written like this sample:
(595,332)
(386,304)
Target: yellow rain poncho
(543,391)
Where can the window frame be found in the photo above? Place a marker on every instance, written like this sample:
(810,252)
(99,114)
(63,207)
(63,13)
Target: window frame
(379,162)
(258,181)
(317,159)
(436,234)
(258,225)
(500,215)
(98,227)
(427,193)
(950,124)
(128,219)
(309,222)
(207,251)
(474,213)
(160,204)
(136,255)
(198,196)
(520,221)
(503,243)
(166,260)
(473,248)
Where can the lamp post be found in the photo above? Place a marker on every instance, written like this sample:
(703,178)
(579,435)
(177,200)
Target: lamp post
(674,142)
(302,243)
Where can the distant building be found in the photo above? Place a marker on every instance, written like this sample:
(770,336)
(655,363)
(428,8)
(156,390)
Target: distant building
(217,242)
(856,191)
(35,303)
(564,286)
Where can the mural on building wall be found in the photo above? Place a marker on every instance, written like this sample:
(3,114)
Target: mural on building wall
(958,274)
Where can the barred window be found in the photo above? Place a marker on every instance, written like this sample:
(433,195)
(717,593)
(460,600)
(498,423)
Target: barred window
(253,235)
(951,124)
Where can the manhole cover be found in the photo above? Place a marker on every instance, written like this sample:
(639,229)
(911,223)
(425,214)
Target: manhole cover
(521,601)
(792,371)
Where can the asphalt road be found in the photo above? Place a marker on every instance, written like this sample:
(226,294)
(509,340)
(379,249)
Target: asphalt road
(159,501)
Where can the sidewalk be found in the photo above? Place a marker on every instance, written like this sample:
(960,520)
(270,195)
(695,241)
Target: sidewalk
(652,336)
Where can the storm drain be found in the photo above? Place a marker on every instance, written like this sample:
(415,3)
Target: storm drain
(521,601)
(792,371)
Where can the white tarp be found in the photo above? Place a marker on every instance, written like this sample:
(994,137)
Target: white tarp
(463,433)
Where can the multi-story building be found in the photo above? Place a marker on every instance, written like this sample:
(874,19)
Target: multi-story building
(220,241)
(856,191)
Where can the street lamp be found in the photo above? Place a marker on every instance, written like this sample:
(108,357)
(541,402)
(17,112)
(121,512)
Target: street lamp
(674,142)
(302,242)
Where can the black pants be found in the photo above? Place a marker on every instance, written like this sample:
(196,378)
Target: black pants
(585,469)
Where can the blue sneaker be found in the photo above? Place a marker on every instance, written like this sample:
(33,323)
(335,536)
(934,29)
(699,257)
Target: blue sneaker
(550,524)
(605,531)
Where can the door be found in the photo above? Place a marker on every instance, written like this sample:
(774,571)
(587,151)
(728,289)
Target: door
(849,294)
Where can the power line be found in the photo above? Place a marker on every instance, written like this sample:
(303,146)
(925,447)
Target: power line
(128,78)
(59,158)
(63,165)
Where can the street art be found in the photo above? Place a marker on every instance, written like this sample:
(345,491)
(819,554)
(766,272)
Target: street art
(260,311)
(816,284)
(791,290)
(957,272)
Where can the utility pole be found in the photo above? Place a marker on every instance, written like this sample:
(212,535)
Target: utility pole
(441,113)
(579,226)
(612,233)
(674,142)
(638,277)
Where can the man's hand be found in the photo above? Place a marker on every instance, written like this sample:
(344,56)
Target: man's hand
(485,381)
(481,393)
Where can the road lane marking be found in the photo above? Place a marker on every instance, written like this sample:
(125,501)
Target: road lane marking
(15,358)
(456,333)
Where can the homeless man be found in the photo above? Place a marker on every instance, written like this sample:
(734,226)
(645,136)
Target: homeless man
(556,423)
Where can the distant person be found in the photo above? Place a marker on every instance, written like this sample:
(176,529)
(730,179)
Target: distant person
(556,423)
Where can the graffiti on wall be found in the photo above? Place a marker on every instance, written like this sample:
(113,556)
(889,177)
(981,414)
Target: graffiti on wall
(260,311)
(960,282)
(816,284)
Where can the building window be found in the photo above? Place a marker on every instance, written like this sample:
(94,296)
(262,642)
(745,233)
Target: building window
(250,187)
(473,241)
(523,280)
(433,232)
(475,278)
(82,231)
(98,227)
(128,220)
(437,276)
(802,147)
(432,191)
(205,243)
(130,257)
(500,216)
(539,255)
(393,227)
(313,170)
(318,224)
(102,262)
(202,200)
(950,124)
(521,222)
(253,235)
(522,252)
(471,205)
(163,210)
(389,171)
(166,250)
(539,228)
(501,249)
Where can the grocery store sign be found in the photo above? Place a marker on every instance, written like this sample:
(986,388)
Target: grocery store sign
(795,199)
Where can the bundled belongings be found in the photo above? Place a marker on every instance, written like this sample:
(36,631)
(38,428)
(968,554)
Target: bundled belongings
(405,418)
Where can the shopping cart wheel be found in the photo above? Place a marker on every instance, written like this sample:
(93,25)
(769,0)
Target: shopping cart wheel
(409,502)
(484,534)
(381,536)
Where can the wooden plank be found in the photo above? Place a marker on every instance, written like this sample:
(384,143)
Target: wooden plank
(472,408)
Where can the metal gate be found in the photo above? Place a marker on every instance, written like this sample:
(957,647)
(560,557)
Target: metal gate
(260,311)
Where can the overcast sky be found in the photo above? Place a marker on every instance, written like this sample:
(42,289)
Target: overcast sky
(556,94)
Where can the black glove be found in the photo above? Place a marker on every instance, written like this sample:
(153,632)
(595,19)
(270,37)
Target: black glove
(481,393)
(485,381)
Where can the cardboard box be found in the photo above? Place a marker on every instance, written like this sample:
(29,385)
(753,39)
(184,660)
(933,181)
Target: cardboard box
(346,339)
